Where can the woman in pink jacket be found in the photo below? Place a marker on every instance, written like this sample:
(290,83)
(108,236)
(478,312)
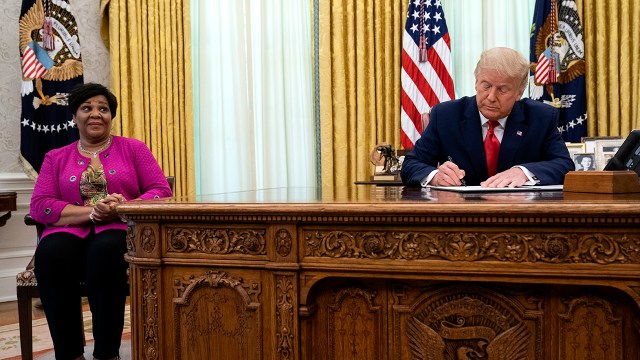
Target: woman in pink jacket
(75,196)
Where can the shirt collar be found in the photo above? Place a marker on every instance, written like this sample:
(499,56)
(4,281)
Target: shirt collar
(484,120)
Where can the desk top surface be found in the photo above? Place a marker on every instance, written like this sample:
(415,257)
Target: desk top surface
(396,199)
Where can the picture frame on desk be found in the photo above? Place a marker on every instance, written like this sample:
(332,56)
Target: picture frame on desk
(584,161)
(604,150)
(590,142)
(575,148)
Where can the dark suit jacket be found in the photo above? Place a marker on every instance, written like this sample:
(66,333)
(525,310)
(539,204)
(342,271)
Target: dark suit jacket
(531,139)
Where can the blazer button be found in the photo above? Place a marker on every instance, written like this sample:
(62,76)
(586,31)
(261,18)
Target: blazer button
(106,156)
(112,171)
(72,178)
(156,197)
(80,162)
(47,211)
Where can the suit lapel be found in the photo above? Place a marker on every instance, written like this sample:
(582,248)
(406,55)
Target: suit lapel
(472,138)
(513,135)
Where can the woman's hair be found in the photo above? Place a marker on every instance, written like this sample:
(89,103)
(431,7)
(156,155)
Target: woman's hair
(583,157)
(80,93)
(506,62)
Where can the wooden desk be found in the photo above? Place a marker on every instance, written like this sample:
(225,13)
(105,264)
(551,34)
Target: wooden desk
(8,204)
(385,273)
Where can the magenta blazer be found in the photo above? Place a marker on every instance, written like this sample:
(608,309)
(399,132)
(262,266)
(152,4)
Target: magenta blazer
(130,170)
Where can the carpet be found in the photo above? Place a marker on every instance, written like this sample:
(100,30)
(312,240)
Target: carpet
(42,345)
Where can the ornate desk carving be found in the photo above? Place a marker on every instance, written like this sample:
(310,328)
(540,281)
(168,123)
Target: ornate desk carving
(387,273)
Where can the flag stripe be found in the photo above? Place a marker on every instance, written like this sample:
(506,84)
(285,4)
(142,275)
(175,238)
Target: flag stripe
(412,111)
(440,56)
(416,81)
(409,132)
(415,96)
(31,67)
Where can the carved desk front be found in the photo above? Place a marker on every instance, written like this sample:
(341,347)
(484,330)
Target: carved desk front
(385,273)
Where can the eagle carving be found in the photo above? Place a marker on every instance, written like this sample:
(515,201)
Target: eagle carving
(427,344)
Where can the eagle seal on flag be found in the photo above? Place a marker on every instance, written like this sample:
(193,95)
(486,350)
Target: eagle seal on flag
(558,65)
(51,66)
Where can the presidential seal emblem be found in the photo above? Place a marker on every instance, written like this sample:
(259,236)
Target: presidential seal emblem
(560,51)
(557,60)
(51,65)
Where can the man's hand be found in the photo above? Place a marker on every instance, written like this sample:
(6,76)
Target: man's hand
(449,174)
(508,178)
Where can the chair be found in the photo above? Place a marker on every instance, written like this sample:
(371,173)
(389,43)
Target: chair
(27,290)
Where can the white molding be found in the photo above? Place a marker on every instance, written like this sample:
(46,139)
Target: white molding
(18,182)
(8,284)
(13,176)
(10,273)
(16,254)
(8,298)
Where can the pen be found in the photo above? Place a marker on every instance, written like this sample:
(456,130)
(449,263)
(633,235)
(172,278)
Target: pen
(464,183)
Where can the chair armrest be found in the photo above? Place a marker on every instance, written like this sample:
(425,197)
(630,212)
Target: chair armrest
(28,220)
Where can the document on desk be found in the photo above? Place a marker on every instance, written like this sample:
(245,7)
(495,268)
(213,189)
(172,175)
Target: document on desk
(479,189)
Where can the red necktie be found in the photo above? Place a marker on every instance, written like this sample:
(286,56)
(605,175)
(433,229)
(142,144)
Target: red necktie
(492,148)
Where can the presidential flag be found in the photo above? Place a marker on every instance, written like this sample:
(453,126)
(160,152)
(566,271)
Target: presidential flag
(426,66)
(51,66)
(558,66)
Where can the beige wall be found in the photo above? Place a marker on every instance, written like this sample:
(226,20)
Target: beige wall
(16,240)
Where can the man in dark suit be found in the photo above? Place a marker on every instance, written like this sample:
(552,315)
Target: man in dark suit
(492,139)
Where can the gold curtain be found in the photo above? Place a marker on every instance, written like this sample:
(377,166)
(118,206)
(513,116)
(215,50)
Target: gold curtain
(360,43)
(612,49)
(150,46)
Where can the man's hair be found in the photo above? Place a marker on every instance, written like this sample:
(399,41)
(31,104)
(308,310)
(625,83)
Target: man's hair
(80,93)
(507,62)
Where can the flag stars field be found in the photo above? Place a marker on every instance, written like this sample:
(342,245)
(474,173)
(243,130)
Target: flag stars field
(47,128)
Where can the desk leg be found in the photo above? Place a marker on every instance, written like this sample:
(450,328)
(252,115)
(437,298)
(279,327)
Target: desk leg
(286,316)
(145,305)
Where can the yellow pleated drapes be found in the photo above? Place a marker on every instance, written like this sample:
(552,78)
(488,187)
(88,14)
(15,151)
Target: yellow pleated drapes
(360,47)
(150,46)
(612,49)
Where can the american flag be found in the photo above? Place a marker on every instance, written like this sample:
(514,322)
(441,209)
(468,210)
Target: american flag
(426,66)
(548,68)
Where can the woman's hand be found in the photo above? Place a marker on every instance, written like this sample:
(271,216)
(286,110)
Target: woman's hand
(105,209)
